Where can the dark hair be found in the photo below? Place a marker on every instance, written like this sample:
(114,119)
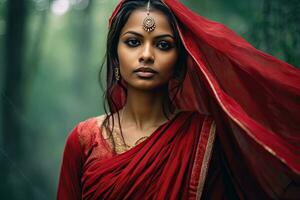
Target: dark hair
(112,62)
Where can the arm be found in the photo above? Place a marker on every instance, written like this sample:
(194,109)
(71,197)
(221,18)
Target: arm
(69,186)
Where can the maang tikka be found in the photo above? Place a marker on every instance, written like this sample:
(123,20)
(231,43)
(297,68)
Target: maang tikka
(148,23)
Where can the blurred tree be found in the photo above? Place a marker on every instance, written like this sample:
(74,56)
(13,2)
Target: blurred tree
(13,99)
(56,69)
(270,25)
(83,32)
(37,47)
(277,30)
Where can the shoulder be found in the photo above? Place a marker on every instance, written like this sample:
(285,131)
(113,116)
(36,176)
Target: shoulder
(205,123)
(200,119)
(89,124)
(208,122)
(87,131)
(208,119)
(197,115)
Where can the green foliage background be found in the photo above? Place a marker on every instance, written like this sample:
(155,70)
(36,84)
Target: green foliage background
(61,59)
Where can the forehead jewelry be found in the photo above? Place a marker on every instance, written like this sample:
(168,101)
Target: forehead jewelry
(148,23)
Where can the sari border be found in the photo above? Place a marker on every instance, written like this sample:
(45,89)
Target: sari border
(202,158)
(232,116)
(206,159)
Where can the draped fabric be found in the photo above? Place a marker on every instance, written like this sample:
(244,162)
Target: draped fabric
(170,164)
(254,99)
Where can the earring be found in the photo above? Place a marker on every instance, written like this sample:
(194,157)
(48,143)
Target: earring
(117,73)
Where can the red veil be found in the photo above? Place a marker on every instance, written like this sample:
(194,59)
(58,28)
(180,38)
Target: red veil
(254,99)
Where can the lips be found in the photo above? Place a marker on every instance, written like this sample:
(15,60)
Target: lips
(145,72)
(145,69)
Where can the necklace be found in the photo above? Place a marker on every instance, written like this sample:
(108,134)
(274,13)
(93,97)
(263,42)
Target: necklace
(120,143)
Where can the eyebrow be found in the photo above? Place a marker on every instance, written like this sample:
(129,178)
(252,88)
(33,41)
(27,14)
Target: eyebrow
(156,37)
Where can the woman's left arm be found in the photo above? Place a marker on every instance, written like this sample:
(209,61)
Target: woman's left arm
(69,186)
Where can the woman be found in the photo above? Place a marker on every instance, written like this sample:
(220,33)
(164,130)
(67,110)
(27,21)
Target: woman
(173,79)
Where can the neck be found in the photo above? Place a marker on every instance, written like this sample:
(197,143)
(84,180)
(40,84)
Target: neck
(144,109)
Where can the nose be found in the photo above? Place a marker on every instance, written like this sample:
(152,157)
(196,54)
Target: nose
(147,54)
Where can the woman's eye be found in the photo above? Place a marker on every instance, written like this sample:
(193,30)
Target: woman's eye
(164,45)
(132,42)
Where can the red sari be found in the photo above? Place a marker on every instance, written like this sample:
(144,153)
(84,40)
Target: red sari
(254,100)
(171,164)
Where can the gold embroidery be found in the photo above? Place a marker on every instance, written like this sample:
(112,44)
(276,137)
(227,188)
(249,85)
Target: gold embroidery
(206,159)
(119,143)
(116,141)
(92,143)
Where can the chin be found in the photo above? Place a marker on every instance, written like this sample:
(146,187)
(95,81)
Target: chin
(148,86)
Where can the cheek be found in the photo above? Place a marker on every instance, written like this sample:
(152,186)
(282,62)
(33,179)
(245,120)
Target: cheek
(168,62)
(121,55)
(126,60)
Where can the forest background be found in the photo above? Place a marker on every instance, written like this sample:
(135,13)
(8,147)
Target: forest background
(51,52)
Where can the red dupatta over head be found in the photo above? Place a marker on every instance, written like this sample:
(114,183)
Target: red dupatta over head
(254,99)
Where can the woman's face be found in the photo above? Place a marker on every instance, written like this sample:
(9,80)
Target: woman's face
(147,59)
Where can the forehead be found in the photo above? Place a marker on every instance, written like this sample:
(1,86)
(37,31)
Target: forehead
(135,22)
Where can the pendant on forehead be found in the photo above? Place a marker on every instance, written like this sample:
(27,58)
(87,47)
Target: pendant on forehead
(148,23)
